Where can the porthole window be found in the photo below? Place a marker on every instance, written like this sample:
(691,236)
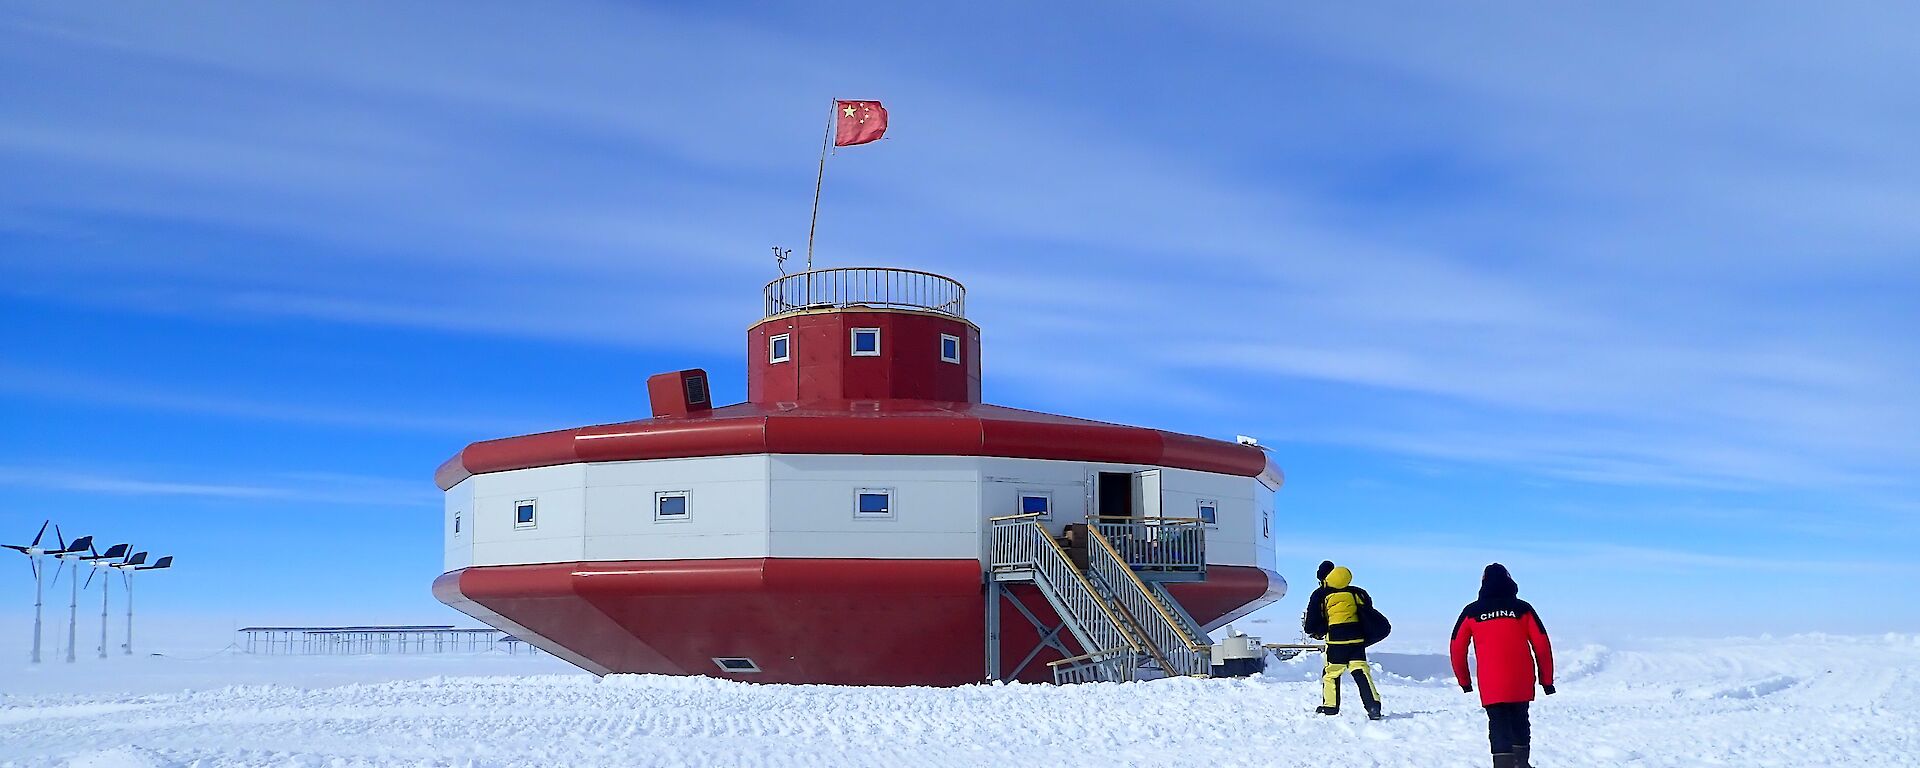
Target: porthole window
(873,503)
(779,348)
(949,348)
(671,506)
(1208,510)
(1037,503)
(523,514)
(866,342)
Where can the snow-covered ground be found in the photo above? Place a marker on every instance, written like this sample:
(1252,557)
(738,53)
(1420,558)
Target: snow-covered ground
(1798,701)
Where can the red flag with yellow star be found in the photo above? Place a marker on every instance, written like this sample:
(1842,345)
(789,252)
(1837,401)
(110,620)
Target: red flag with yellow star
(858,122)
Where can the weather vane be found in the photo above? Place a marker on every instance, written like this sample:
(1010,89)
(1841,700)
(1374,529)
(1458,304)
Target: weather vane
(780,258)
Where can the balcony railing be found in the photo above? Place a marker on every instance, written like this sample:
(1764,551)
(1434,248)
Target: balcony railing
(1158,545)
(883,287)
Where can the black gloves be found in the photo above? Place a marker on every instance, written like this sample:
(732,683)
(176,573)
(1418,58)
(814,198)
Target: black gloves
(1466,687)
(1548,689)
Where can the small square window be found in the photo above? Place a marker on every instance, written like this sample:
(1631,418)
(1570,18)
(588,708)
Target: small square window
(670,506)
(949,348)
(778,348)
(873,503)
(696,390)
(737,664)
(1209,511)
(1037,503)
(523,514)
(866,342)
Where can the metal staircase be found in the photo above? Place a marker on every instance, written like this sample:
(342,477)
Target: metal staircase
(1121,621)
(1178,649)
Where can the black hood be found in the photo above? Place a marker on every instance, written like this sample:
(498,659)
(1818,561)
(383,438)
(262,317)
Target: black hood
(1496,583)
(1326,567)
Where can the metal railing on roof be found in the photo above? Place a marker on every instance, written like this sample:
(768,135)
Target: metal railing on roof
(883,287)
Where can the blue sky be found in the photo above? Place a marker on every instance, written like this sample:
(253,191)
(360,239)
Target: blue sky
(1620,295)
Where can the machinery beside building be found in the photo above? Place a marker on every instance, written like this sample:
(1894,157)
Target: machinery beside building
(863,518)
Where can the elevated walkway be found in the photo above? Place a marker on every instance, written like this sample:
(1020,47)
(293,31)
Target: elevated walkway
(1107,592)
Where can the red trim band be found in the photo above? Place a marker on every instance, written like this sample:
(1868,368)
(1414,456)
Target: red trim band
(884,427)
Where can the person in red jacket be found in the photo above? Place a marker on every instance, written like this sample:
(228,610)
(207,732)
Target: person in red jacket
(1509,643)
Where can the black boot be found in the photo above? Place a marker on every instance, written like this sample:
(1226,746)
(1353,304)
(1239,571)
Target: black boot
(1520,756)
(1326,710)
(1373,713)
(1505,760)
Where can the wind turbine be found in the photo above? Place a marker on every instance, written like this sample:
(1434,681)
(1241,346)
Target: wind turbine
(97,560)
(136,563)
(33,552)
(71,552)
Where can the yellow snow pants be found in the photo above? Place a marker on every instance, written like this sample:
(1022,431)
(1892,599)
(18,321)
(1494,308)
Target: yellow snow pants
(1341,659)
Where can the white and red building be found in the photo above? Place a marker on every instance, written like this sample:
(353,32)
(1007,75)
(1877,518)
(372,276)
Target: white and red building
(833,528)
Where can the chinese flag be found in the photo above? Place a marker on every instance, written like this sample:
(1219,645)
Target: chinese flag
(858,122)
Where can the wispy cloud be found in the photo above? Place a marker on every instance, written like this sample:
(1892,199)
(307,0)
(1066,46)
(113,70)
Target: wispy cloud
(296,486)
(100,391)
(1576,245)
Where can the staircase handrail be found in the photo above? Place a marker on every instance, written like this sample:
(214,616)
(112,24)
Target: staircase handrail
(1167,634)
(1059,571)
(1086,667)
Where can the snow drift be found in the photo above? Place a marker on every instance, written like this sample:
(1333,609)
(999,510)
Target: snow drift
(1800,701)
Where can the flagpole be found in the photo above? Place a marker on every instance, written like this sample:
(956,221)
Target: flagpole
(825,142)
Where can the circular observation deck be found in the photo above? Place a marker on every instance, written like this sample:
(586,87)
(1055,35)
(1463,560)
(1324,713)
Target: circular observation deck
(866,287)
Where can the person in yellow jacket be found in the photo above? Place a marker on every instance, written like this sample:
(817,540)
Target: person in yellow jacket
(1335,613)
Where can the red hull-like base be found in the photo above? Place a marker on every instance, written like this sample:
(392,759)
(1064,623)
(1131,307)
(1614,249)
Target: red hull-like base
(839,621)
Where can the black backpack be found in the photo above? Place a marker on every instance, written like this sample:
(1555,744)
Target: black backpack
(1374,624)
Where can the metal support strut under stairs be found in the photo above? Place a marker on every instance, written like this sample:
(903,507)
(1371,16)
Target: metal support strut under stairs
(1115,608)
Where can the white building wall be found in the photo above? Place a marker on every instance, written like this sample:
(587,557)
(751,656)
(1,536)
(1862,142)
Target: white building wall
(459,537)
(935,502)
(559,494)
(1235,539)
(726,509)
(803,506)
(1002,481)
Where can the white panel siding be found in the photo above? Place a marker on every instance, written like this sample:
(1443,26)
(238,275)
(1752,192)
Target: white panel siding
(559,524)
(726,509)
(1004,479)
(803,506)
(459,502)
(1236,539)
(1267,529)
(935,504)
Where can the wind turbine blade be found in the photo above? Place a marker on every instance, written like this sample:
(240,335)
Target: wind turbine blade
(57,535)
(59,565)
(43,532)
(89,581)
